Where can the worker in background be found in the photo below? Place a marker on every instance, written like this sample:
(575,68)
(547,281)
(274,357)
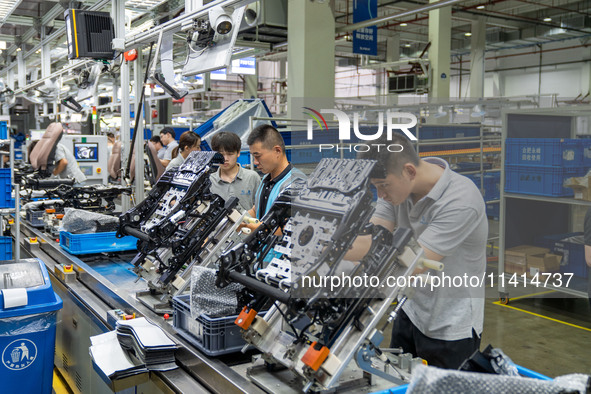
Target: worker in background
(268,151)
(158,146)
(189,142)
(587,241)
(167,137)
(447,215)
(66,165)
(110,142)
(231,180)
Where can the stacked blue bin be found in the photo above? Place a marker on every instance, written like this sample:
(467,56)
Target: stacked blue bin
(491,191)
(28,315)
(540,166)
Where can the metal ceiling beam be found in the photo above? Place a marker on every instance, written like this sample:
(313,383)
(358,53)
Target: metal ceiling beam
(174,25)
(400,15)
(28,21)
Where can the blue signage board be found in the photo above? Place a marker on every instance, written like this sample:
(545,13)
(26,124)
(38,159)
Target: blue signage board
(365,40)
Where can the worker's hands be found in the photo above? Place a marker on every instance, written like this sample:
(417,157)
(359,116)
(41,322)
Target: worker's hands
(250,223)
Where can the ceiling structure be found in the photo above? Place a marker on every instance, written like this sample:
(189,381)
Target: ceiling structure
(509,23)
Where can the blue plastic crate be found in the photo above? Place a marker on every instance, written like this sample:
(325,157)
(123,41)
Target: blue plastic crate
(96,242)
(541,181)
(213,336)
(470,166)
(6,200)
(5,248)
(556,152)
(491,185)
(244,158)
(313,155)
(438,132)
(493,210)
(573,254)
(3,131)
(586,147)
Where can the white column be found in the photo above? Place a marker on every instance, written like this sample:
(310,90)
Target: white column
(392,55)
(310,55)
(440,50)
(118,12)
(251,84)
(477,46)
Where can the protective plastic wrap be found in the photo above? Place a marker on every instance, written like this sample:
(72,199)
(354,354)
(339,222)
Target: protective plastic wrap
(443,381)
(20,325)
(209,300)
(79,221)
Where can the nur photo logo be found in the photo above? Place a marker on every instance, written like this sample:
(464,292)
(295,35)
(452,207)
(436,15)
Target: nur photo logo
(402,121)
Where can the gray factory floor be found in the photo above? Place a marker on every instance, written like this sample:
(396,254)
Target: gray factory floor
(543,330)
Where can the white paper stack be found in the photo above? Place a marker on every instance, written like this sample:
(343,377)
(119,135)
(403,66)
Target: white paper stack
(147,344)
(111,359)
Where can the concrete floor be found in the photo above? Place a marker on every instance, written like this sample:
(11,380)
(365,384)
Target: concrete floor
(546,331)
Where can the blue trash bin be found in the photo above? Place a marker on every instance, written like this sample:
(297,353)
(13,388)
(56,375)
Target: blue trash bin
(28,314)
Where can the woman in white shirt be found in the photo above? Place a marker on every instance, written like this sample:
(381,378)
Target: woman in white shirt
(189,142)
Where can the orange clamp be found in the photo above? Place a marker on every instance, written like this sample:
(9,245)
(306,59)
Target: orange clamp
(50,210)
(59,216)
(245,318)
(315,355)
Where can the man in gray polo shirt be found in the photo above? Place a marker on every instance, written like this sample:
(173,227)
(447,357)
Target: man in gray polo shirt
(67,166)
(167,138)
(447,214)
(231,180)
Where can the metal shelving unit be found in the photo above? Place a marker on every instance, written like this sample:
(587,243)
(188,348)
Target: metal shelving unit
(523,217)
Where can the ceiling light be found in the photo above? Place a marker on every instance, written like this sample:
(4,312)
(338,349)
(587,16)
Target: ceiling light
(404,24)
(480,7)
(440,112)
(2,44)
(477,111)
(407,45)
(18,49)
(548,19)
(468,34)
(6,8)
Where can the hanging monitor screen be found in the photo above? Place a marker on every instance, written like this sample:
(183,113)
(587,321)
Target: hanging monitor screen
(89,34)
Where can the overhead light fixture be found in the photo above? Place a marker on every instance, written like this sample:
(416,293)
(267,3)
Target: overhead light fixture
(72,104)
(440,112)
(18,49)
(477,111)
(7,7)
(407,45)
(548,19)
(404,24)
(468,34)
(219,20)
(2,44)
(480,7)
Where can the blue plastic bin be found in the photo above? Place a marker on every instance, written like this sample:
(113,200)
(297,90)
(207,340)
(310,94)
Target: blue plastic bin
(490,183)
(541,181)
(6,200)
(5,248)
(3,131)
(27,327)
(556,152)
(573,254)
(493,210)
(96,242)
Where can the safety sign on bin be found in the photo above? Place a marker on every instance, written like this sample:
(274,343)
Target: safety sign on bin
(19,354)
